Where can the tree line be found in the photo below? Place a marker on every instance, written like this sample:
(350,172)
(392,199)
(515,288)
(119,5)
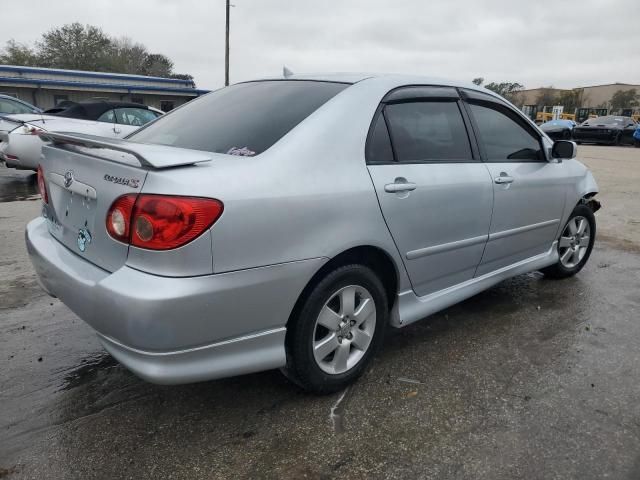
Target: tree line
(86,47)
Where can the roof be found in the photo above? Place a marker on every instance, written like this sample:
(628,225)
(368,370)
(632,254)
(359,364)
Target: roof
(401,79)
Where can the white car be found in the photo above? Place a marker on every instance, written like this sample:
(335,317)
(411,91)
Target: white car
(20,145)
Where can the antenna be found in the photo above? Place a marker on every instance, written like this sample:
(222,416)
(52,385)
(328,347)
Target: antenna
(286,73)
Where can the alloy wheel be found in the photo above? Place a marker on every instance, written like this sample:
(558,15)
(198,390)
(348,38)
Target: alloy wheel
(574,242)
(344,329)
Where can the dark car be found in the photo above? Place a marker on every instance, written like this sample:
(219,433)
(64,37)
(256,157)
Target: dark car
(123,113)
(559,129)
(609,130)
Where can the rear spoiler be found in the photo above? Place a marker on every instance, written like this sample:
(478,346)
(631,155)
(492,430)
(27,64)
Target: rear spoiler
(149,155)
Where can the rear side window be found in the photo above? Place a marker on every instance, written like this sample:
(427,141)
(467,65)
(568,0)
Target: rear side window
(428,131)
(504,139)
(379,144)
(244,119)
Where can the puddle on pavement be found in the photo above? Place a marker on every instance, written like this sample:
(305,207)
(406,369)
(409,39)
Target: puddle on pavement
(88,370)
(18,185)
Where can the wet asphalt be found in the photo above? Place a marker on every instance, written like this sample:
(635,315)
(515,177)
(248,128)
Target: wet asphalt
(531,379)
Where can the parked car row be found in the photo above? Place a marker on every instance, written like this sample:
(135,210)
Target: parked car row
(20,145)
(608,130)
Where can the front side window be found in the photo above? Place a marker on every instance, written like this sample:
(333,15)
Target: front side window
(503,138)
(244,119)
(428,131)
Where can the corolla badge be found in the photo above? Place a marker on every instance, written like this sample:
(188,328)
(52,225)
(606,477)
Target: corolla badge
(84,239)
(68,178)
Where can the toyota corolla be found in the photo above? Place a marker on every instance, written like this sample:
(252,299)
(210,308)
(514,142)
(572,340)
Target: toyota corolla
(286,223)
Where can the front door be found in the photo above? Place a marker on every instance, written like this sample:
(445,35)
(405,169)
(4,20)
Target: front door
(529,191)
(435,194)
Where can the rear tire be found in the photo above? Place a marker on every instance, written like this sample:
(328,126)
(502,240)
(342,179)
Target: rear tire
(337,330)
(575,243)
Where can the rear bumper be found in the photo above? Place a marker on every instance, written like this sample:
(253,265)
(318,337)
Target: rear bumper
(176,330)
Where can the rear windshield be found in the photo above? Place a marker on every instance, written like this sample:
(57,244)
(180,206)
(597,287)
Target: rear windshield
(244,119)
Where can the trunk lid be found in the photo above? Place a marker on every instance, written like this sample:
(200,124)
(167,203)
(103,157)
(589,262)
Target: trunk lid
(81,189)
(84,176)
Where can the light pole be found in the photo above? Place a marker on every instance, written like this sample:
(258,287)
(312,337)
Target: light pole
(226,49)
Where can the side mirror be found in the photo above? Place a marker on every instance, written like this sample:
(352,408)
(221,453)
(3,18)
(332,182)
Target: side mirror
(564,149)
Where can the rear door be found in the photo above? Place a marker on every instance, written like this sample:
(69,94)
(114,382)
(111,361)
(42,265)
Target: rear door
(529,191)
(435,194)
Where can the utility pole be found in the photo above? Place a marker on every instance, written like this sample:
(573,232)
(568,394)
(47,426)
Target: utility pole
(226,50)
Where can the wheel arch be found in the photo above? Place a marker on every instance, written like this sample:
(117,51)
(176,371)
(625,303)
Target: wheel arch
(380,261)
(587,190)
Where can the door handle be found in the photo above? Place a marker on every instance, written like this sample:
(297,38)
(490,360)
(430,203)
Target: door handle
(400,185)
(503,178)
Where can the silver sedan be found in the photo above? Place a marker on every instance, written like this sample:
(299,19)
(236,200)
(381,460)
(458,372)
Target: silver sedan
(286,223)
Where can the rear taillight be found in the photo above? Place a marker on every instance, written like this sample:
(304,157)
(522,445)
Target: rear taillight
(161,222)
(41,186)
(31,130)
(119,217)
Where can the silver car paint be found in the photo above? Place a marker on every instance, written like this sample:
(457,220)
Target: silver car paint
(287,211)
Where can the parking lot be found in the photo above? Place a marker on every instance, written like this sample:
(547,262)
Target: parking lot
(531,379)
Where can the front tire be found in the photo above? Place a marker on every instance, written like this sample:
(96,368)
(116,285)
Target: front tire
(337,330)
(575,244)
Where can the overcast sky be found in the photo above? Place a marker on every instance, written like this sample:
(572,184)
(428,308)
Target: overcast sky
(564,43)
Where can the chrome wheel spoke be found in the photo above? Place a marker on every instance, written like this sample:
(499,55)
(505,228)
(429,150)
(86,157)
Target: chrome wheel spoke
(361,339)
(325,346)
(348,301)
(582,225)
(576,256)
(566,256)
(340,357)
(584,242)
(573,228)
(564,242)
(329,319)
(365,309)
